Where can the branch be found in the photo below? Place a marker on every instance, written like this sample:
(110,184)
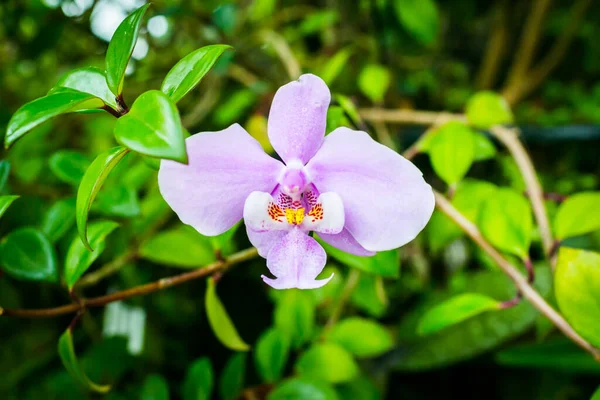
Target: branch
(496,48)
(513,273)
(141,290)
(409,117)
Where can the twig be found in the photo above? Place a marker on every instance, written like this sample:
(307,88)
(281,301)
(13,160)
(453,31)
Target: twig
(513,273)
(410,117)
(495,49)
(141,290)
(284,53)
(106,270)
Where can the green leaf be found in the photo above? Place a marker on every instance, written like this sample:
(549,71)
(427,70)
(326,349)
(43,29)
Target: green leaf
(349,108)
(232,377)
(295,316)
(27,254)
(473,336)
(41,110)
(360,388)
(328,362)
(271,354)
(5,202)
(596,395)
(4,171)
(155,387)
(91,183)
(89,80)
(419,18)
(152,127)
(578,215)
(118,201)
(455,310)
(361,337)
(385,263)
(335,65)
(120,48)
(452,151)
(486,109)
(69,166)
(369,295)
(483,147)
(59,219)
(303,388)
(576,285)
(181,247)
(66,351)
(506,221)
(557,354)
(220,322)
(199,380)
(79,258)
(374,81)
(190,70)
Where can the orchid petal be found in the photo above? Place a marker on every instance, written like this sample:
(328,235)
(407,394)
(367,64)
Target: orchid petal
(326,216)
(386,201)
(264,241)
(296,260)
(224,168)
(298,117)
(346,242)
(261,213)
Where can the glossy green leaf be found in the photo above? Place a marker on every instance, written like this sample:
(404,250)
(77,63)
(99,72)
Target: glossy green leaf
(374,81)
(576,285)
(181,247)
(486,109)
(91,183)
(578,215)
(328,362)
(506,221)
(152,127)
(27,254)
(473,336)
(120,48)
(4,171)
(41,110)
(5,202)
(303,388)
(69,166)
(155,387)
(361,337)
(455,310)
(231,381)
(385,263)
(295,316)
(452,151)
(484,149)
(220,322)
(89,80)
(271,354)
(190,70)
(419,18)
(556,354)
(79,258)
(59,219)
(199,380)
(66,351)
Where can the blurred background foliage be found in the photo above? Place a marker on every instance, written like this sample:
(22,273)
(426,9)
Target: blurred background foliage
(401,54)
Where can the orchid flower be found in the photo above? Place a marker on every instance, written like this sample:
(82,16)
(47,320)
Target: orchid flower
(358,195)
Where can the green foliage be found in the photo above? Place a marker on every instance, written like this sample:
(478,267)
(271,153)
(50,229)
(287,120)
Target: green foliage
(231,382)
(295,316)
(66,351)
(27,254)
(303,388)
(455,310)
(419,18)
(374,81)
(121,47)
(152,127)
(328,362)
(361,337)
(271,354)
(486,109)
(199,380)
(89,80)
(69,166)
(5,202)
(181,247)
(155,387)
(577,282)
(220,322)
(452,151)
(579,214)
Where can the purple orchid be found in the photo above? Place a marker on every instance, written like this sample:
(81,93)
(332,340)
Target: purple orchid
(359,195)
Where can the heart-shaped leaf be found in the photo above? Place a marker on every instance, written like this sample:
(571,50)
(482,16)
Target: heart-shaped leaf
(41,110)
(91,183)
(220,322)
(190,70)
(121,47)
(79,258)
(27,254)
(153,128)
(89,80)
